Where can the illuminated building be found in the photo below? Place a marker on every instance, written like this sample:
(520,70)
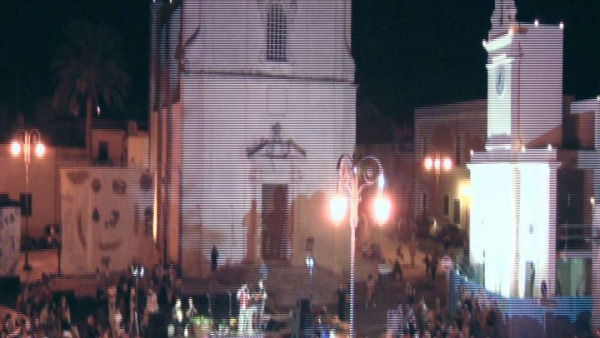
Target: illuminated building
(252,103)
(513,201)
(450,131)
(532,167)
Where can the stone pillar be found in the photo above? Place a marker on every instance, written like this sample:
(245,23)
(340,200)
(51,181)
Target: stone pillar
(595,258)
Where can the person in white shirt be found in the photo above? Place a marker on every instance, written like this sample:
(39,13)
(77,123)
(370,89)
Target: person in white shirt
(245,315)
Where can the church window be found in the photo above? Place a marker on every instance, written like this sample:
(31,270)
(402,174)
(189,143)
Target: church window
(276,33)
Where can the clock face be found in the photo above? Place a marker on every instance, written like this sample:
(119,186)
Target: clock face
(500,80)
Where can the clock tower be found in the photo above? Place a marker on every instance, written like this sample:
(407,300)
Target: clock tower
(524,81)
(514,181)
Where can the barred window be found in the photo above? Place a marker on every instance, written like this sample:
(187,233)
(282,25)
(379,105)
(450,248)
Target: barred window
(276,33)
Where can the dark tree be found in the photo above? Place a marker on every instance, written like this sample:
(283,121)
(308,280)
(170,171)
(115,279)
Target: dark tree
(90,71)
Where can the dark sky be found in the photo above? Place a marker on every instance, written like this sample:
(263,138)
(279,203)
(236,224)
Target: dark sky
(408,52)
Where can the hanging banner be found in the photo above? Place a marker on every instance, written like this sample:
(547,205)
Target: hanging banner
(107,217)
(10,238)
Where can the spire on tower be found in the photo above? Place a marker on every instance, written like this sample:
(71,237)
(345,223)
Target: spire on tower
(504,15)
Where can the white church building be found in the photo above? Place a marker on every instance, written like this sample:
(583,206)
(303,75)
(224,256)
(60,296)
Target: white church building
(252,104)
(513,214)
(533,219)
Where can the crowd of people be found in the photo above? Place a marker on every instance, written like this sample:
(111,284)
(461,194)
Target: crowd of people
(123,306)
(471,317)
(38,314)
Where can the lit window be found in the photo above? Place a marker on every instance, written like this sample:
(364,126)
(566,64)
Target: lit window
(276,33)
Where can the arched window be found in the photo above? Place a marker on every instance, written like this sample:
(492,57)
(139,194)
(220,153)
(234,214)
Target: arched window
(276,33)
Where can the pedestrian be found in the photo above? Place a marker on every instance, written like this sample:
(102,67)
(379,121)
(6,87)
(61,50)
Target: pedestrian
(341,293)
(399,253)
(191,312)
(397,271)
(427,262)
(260,297)
(177,316)
(90,330)
(263,271)
(412,249)
(214,258)
(244,321)
(446,243)
(433,267)
(370,292)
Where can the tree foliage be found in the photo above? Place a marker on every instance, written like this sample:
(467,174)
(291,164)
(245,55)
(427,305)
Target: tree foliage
(90,71)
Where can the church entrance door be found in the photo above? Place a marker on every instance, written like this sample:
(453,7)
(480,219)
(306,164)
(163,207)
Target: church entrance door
(275,221)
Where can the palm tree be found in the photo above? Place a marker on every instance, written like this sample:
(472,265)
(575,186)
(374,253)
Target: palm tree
(90,71)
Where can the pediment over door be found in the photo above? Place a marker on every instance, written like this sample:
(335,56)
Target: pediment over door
(274,147)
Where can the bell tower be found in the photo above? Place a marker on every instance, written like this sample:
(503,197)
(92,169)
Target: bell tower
(524,81)
(504,15)
(513,182)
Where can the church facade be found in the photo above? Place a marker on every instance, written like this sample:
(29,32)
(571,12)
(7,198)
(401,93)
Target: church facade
(252,104)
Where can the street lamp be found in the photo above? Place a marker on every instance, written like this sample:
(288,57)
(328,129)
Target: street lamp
(437,163)
(24,142)
(353,176)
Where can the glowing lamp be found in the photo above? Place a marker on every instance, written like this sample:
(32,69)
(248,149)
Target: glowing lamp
(337,207)
(447,163)
(40,149)
(428,163)
(382,207)
(15,148)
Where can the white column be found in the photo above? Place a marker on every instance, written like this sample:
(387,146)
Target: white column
(595,276)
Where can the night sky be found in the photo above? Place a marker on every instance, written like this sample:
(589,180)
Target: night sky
(408,53)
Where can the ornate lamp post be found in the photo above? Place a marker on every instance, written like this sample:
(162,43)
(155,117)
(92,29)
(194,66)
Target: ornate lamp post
(23,143)
(354,176)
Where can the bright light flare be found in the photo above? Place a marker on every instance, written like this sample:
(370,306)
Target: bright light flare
(438,163)
(40,149)
(383,208)
(337,207)
(380,182)
(447,163)
(15,148)
(428,163)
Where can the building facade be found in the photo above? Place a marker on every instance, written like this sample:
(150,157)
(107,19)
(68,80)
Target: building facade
(252,104)
(452,131)
(513,210)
